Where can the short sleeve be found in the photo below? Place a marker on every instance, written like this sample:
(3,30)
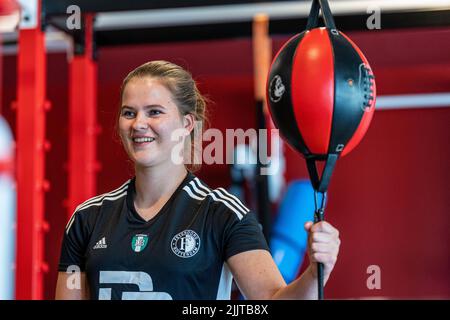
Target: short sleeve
(242,235)
(74,244)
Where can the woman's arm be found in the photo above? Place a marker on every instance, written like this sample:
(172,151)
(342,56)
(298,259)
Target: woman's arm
(258,277)
(70,288)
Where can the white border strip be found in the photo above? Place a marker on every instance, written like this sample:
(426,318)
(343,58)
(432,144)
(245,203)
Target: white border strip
(123,20)
(246,12)
(413,101)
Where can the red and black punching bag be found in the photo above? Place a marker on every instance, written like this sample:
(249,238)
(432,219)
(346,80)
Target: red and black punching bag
(321,93)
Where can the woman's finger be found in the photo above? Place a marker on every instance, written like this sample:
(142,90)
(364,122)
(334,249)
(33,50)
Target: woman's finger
(330,248)
(321,237)
(308,226)
(324,258)
(325,227)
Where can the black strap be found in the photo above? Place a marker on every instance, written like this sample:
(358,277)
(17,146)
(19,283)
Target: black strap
(321,184)
(313,19)
(318,216)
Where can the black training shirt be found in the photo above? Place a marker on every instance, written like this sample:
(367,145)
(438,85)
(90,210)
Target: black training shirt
(180,253)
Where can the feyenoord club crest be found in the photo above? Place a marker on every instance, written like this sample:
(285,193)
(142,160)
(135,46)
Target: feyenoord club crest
(139,242)
(185,244)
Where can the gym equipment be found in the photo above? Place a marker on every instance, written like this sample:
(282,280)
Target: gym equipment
(262,51)
(289,240)
(321,94)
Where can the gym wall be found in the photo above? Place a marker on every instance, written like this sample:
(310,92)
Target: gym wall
(389,197)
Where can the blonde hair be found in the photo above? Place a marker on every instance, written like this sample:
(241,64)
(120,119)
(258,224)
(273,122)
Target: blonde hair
(185,94)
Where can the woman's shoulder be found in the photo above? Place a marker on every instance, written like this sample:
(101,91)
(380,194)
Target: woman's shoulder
(218,200)
(86,212)
(97,201)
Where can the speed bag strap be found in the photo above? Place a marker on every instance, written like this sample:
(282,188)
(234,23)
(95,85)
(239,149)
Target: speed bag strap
(313,18)
(321,184)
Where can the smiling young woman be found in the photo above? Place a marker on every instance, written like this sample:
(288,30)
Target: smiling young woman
(164,234)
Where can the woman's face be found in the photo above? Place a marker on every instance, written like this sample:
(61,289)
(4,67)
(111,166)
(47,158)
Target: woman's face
(148,116)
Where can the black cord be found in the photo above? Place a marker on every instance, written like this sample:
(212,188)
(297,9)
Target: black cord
(319,216)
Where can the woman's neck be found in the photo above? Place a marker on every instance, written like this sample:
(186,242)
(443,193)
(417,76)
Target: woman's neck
(154,185)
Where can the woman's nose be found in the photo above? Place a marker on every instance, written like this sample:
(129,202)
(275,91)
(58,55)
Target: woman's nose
(140,122)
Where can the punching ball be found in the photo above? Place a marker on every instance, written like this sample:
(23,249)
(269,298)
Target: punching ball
(321,95)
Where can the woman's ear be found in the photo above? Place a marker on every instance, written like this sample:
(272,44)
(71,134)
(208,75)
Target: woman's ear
(189,122)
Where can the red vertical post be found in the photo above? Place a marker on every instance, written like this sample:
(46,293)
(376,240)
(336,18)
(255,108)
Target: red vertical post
(31,107)
(83,128)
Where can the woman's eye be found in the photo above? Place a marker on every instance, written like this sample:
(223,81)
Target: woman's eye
(154,112)
(128,114)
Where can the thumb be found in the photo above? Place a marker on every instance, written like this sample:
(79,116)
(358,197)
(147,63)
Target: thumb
(308,225)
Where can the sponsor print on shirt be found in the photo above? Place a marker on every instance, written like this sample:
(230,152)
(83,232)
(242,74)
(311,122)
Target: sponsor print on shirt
(141,279)
(139,242)
(185,244)
(101,244)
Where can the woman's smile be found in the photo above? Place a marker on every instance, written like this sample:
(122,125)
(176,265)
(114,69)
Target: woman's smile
(141,141)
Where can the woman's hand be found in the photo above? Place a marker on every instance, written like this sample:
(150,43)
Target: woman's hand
(323,246)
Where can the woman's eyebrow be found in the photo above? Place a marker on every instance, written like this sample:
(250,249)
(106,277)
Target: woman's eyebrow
(145,107)
(154,106)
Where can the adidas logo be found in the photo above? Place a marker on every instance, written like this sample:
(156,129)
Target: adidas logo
(101,244)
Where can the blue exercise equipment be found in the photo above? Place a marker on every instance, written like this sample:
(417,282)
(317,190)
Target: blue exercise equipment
(288,242)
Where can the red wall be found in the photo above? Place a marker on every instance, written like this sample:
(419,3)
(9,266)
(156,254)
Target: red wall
(389,197)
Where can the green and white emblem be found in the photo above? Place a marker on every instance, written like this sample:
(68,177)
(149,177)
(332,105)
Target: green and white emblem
(139,242)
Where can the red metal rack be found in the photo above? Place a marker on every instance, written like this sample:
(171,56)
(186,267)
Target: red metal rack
(31,145)
(83,127)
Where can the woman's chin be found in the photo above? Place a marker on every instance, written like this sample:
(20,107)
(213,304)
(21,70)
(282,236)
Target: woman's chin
(144,162)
